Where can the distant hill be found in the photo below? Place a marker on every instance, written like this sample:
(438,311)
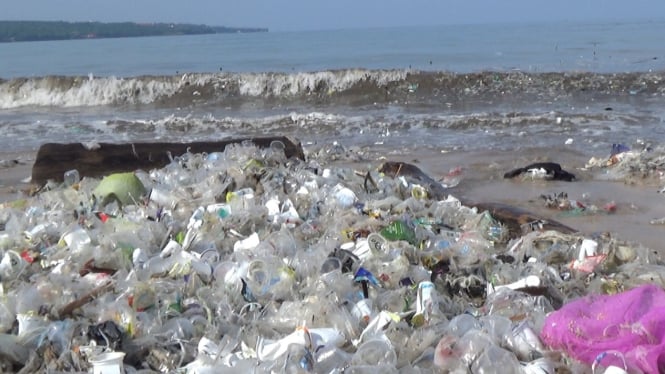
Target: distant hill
(24,31)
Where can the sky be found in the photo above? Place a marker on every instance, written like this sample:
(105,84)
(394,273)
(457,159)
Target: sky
(293,15)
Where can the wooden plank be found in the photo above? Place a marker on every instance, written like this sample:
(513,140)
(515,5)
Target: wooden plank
(54,159)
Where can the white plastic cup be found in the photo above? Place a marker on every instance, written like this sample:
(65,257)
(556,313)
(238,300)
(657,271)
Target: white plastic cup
(108,363)
(324,336)
(248,243)
(363,310)
(222,210)
(375,327)
(76,239)
(171,248)
(587,249)
(36,231)
(162,198)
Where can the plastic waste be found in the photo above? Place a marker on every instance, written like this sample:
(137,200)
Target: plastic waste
(424,303)
(241,260)
(126,188)
(108,363)
(399,230)
(629,323)
(71,177)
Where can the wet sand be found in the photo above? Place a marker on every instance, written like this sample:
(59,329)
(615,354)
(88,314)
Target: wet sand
(636,204)
(15,169)
(482,180)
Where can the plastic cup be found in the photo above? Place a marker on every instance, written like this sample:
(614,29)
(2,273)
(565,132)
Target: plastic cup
(11,264)
(259,273)
(587,249)
(363,310)
(375,352)
(539,366)
(222,210)
(525,341)
(72,177)
(248,243)
(108,363)
(330,264)
(162,198)
(273,349)
(76,239)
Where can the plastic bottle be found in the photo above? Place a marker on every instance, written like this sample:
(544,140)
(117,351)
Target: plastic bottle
(399,230)
(424,303)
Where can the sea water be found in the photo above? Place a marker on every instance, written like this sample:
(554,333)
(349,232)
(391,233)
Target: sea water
(439,88)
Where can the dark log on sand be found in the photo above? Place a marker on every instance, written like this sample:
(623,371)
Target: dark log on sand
(517,220)
(54,159)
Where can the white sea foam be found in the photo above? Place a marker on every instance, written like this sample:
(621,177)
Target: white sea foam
(55,91)
(278,84)
(80,91)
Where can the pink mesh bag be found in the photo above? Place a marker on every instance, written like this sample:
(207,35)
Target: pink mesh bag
(630,324)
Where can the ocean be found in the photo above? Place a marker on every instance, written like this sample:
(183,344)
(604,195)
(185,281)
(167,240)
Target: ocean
(485,97)
(445,88)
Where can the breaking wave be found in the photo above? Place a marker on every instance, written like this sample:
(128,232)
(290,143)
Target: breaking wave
(351,86)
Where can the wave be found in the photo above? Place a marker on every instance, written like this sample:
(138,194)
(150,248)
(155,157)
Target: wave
(350,87)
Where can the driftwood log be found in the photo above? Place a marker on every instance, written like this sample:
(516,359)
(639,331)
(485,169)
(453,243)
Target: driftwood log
(517,220)
(54,159)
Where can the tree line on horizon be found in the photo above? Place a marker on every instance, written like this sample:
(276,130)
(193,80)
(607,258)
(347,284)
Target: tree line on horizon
(22,31)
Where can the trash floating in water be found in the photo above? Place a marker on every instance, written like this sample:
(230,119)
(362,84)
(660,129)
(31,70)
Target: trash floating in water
(243,260)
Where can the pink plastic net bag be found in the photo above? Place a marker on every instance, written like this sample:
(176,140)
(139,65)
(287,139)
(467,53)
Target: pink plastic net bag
(630,324)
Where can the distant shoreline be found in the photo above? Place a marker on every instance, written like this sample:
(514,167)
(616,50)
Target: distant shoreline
(30,31)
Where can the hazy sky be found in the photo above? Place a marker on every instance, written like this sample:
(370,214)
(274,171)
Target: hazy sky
(280,15)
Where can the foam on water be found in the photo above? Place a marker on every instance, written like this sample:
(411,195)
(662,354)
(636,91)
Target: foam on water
(84,91)
(357,87)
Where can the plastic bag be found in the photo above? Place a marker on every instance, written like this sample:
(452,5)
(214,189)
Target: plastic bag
(631,323)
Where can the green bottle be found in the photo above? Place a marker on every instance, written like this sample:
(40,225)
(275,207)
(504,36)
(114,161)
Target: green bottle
(399,230)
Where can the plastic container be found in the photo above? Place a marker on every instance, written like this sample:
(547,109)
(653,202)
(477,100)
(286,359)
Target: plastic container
(71,177)
(108,363)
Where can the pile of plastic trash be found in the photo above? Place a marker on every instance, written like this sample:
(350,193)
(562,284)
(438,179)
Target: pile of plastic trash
(638,164)
(244,261)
